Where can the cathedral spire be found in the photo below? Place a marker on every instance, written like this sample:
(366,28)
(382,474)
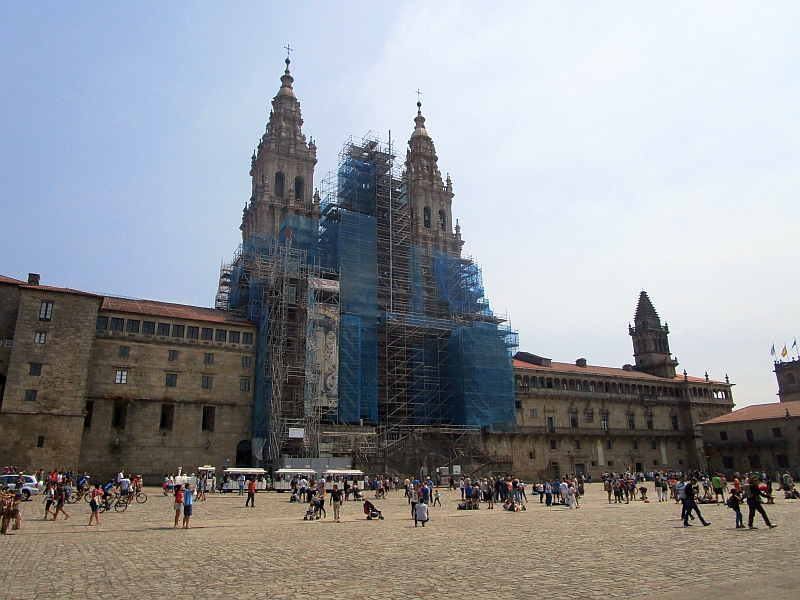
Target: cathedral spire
(419,122)
(286,81)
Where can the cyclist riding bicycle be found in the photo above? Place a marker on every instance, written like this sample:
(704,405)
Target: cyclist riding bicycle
(108,493)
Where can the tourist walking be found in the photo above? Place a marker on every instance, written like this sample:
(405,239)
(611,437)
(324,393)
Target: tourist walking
(734,501)
(336,502)
(754,495)
(690,492)
(178,505)
(61,498)
(251,493)
(94,503)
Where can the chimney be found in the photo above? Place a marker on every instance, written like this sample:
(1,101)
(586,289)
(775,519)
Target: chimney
(33,279)
(581,362)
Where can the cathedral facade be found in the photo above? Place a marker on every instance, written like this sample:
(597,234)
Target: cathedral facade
(348,324)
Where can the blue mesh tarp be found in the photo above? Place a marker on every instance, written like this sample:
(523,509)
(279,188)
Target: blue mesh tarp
(304,233)
(416,280)
(263,387)
(483,378)
(458,283)
(357,186)
(432,383)
(358,332)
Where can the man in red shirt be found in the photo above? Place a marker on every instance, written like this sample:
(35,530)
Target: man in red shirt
(251,493)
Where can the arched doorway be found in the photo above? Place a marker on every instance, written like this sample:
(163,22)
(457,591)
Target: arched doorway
(244,454)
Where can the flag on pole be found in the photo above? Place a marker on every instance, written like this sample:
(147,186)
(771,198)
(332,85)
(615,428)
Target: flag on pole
(784,352)
(772,352)
(794,345)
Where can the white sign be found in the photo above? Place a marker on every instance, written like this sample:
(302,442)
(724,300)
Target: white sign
(456,469)
(297,433)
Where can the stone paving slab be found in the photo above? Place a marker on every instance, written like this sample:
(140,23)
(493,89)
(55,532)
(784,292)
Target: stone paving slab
(598,551)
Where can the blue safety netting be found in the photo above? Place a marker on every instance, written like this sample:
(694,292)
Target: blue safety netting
(356,191)
(483,378)
(416,280)
(459,283)
(433,390)
(358,333)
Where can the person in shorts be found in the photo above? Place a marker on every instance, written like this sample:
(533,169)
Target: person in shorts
(178,504)
(716,483)
(188,503)
(94,503)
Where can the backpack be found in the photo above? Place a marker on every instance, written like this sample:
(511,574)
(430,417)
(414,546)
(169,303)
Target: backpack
(733,502)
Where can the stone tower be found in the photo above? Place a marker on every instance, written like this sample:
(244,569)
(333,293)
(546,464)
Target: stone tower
(430,198)
(788,374)
(282,168)
(651,341)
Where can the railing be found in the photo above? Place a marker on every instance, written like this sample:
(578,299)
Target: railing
(755,442)
(638,432)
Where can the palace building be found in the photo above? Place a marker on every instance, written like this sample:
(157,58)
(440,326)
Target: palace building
(348,324)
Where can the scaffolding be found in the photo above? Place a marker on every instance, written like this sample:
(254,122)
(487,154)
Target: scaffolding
(224,287)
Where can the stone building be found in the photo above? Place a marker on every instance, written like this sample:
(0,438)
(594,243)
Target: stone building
(764,437)
(788,375)
(580,418)
(99,383)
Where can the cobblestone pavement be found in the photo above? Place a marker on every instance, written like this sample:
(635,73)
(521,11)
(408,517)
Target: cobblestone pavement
(597,551)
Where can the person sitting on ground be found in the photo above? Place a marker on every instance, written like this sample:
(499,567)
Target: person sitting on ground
(421,514)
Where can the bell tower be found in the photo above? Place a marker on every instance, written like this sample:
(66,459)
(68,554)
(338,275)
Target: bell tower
(281,168)
(430,198)
(651,341)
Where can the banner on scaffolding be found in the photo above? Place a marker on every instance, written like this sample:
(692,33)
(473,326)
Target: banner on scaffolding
(322,345)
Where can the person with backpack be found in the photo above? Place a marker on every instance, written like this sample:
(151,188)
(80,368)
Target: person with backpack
(733,503)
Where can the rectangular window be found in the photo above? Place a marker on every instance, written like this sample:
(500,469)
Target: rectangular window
(755,461)
(206,333)
(577,444)
(679,445)
(653,445)
(124,351)
(30,395)
(591,387)
(246,362)
(534,413)
(119,415)
(172,380)
(635,445)
(207,382)
(209,418)
(608,445)
(177,331)
(192,332)
(631,421)
(40,337)
(749,435)
(117,324)
(247,338)
(167,415)
(222,335)
(674,420)
(578,386)
(783,461)
(727,462)
(244,385)
(604,421)
(35,369)
(517,404)
(532,455)
(163,329)
(87,419)
(551,428)
(9,343)
(776,432)
(573,419)
(553,445)
(121,377)
(46,311)
(723,436)
(611,463)
(589,416)
(148,327)
(655,463)
(172,356)
(233,337)
(102,323)
(649,420)
(40,442)
(292,294)
(208,358)
(133,326)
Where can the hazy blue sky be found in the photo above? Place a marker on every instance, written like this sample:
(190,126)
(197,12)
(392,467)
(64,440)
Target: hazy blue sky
(596,149)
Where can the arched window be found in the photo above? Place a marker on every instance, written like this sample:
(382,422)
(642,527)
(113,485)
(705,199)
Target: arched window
(442,220)
(244,454)
(426,217)
(279,185)
(298,188)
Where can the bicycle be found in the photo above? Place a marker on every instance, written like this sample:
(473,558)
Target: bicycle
(119,505)
(140,496)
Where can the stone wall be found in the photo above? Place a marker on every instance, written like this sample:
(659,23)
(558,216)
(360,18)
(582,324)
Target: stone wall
(9,305)
(145,444)
(45,432)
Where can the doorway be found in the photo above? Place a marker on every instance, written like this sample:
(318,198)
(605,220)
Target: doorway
(244,454)
(580,469)
(639,467)
(555,471)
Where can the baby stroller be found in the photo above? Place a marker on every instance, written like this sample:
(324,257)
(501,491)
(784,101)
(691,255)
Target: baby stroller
(316,509)
(294,497)
(371,511)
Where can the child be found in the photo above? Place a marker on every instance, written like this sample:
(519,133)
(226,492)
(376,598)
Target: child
(436,498)
(643,493)
(733,502)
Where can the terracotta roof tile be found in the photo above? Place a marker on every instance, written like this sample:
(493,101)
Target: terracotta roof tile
(48,288)
(604,371)
(174,311)
(11,280)
(759,412)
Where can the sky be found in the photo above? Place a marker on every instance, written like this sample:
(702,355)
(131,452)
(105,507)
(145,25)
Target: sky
(595,149)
